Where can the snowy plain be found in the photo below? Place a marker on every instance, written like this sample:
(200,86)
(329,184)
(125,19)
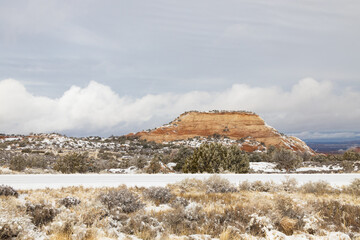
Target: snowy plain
(40,181)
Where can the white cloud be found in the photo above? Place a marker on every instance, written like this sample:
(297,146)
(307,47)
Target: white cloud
(310,105)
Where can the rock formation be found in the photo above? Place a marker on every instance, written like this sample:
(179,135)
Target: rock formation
(245,127)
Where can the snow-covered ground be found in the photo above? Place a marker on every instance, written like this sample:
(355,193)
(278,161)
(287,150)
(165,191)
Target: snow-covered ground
(36,181)
(319,169)
(268,167)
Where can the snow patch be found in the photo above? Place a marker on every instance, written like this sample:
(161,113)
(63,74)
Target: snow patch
(160,208)
(263,167)
(320,168)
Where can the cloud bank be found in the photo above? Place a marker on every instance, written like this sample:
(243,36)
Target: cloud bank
(96,109)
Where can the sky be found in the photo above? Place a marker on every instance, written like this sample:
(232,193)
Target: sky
(113,67)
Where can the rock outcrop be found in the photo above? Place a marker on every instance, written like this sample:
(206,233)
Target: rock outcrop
(245,127)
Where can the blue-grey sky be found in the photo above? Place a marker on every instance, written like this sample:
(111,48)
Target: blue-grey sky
(174,52)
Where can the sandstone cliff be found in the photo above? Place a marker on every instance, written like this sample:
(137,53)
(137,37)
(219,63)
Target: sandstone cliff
(246,127)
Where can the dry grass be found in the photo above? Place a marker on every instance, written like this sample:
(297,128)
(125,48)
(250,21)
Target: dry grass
(288,225)
(193,209)
(230,233)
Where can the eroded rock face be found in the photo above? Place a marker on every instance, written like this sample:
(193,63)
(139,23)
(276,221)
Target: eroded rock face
(234,125)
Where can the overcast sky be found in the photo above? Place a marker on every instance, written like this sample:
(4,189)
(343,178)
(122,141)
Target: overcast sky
(112,67)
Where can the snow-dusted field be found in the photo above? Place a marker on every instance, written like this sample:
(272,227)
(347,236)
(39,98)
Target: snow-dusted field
(38,181)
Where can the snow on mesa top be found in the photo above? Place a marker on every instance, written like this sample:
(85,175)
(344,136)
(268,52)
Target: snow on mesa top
(248,128)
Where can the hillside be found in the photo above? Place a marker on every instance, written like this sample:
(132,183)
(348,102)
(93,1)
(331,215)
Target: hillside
(247,128)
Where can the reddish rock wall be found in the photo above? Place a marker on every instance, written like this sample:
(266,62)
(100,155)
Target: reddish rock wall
(235,125)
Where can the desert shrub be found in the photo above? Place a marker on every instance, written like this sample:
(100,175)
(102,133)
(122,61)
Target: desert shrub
(124,163)
(8,232)
(37,162)
(289,184)
(257,157)
(17,163)
(166,158)
(38,151)
(101,164)
(184,220)
(26,150)
(216,184)
(286,206)
(319,187)
(206,158)
(154,166)
(351,155)
(230,233)
(106,156)
(236,160)
(72,163)
(258,225)
(288,225)
(306,156)
(191,185)
(95,213)
(70,201)
(3,145)
(139,162)
(353,188)
(347,166)
(49,153)
(179,202)
(245,186)
(8,191)
(235,217)
(143,226)
(181,156)
(258,186)
(216,158)
(159,195)
(343,216)
(334,158)
(270,149)
(319,158)
(41,214)
(13,226)
(267,186)
(122,200)
(67,225)
(286,159)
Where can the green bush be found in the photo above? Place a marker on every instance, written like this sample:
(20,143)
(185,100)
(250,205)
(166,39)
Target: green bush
(216,158)
(321,158)
(351,156)
(236,160)
(257,157)
(181,156)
